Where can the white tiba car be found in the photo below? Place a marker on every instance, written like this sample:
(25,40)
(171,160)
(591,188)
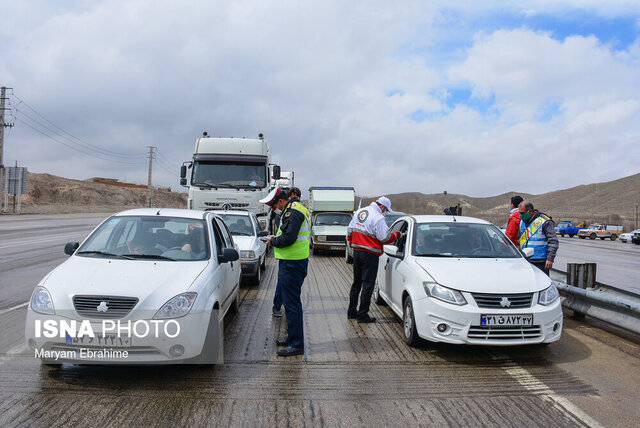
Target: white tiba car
(147,286)
(245,228)
(460,280)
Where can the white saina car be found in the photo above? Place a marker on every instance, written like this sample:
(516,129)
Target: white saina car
(147,286)
(246,232)
(460,280)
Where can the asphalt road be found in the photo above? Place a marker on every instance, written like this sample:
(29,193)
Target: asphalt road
(618,262)
(351,375)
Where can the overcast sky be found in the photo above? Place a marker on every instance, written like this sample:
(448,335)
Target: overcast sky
(472,97)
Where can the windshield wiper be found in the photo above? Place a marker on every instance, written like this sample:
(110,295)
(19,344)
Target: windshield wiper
(148,256)
(434,255)
(104,253)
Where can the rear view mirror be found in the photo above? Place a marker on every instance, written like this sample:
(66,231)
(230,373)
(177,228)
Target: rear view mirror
(276,172)
(183,171)
(228,255)
(528,252)
(392,251)
(71,247)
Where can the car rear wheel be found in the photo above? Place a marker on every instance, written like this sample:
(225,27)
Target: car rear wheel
(614,237)
(592,236)
(409,324)
(562,233)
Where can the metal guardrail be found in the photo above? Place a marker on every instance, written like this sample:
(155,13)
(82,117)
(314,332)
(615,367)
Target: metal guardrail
(603,305)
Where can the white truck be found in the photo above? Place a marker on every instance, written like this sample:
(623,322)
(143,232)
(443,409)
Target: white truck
(230,174)
(286,180)
(601,231)
(331,211)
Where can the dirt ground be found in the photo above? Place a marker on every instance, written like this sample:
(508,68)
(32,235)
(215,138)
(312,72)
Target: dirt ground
(49,194)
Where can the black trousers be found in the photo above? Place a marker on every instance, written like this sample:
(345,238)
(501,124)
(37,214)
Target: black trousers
(365,269)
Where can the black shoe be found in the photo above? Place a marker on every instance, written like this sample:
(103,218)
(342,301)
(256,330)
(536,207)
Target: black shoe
(277,312)
(282,342)
(289,351)
(366,319)
(352,315)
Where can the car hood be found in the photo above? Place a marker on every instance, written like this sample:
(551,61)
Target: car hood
(244,242)
(485,275)
(152,282)
(330,230)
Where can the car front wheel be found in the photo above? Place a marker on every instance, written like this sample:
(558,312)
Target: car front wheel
(409,323)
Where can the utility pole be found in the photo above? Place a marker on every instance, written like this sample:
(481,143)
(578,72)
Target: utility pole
(149,180)
(3,91)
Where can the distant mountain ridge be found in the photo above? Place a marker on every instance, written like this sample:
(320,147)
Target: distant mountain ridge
(611,202)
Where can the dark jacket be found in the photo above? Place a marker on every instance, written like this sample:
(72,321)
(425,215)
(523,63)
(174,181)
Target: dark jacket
(549,230)
(290,226)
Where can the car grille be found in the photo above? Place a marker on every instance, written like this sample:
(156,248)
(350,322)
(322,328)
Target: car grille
(336,238)
(494,301)
(233,205)
(504,333)
(117,307)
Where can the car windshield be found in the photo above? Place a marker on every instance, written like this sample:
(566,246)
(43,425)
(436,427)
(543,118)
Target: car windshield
(148,237)
(222,174)
(239,225)
(563,224)
(390,218)
(466,240)
(332,219)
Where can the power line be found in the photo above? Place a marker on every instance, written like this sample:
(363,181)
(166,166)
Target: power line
(104,151)
(76,148)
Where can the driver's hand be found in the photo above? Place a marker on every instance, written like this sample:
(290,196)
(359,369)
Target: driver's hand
(548,264)
(186,248)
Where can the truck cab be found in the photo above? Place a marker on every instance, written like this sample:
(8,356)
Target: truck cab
(230,174)
(331,211)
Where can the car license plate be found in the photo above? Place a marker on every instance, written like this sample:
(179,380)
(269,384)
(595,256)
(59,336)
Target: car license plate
(510,320)
(111,340)
(333,247)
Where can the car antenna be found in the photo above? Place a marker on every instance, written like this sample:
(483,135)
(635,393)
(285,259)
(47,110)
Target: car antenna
(158,213)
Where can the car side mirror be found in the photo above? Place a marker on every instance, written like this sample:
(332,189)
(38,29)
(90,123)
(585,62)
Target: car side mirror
(392,251)
(276,172)
(228,255)
(528,252)
(71,247)
(263,233)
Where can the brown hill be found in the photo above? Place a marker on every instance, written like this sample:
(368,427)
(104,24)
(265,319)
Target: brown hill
(613,202)
(49,194)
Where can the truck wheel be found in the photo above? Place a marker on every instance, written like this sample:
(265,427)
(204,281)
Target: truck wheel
(592,236)
(571,235)
(614,237)
(562,233)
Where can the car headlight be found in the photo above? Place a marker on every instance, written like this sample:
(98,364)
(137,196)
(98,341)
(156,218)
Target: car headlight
(41,301)
(177,306)
(322,238)
(548,295)
(443,293)
(248,255)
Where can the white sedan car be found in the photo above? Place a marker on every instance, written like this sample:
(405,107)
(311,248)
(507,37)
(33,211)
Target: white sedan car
(460,280)
(626,237)
(246,233)
(147,286)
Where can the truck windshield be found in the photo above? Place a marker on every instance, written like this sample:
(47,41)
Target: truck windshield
(223,174)
(564,224)
(332,219)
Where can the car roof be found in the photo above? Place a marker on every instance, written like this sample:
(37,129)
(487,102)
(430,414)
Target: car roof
(164,212)
(447,219)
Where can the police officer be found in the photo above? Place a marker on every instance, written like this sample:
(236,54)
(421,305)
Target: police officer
(367,233)
(291,248)
(537,231)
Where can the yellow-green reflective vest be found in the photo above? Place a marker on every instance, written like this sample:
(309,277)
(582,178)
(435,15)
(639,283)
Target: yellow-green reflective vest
(299,250)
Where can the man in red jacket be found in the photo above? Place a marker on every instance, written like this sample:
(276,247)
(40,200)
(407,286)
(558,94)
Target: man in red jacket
(367,233)
(514,220)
